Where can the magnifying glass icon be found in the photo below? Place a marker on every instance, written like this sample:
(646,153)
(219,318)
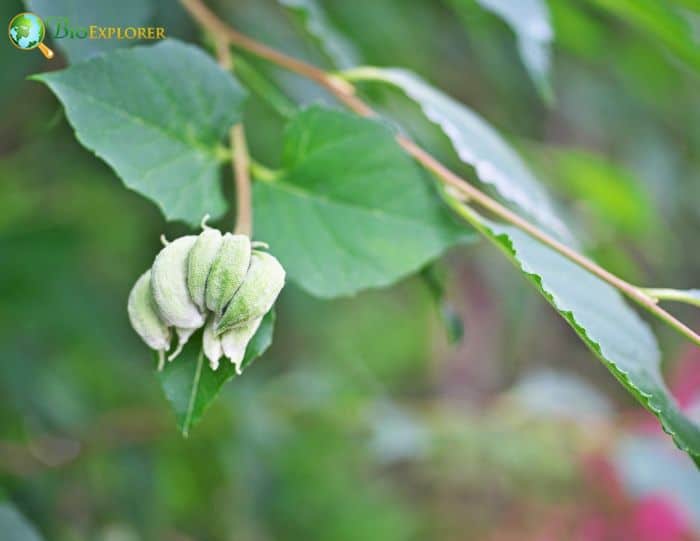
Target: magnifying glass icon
(27,31)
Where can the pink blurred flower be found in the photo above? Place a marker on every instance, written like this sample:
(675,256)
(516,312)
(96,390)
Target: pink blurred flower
(655,518)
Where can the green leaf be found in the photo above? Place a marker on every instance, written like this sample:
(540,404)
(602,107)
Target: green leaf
(351,210)
(531,24)
(336,47)
(596,311)
(476,143)
(14,526)
(79,15)
(157,114)
(190,385)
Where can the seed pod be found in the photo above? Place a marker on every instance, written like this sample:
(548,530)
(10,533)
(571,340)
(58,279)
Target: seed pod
(144,316)
(227,271)
(202,256)
(235,341)
(263,283)
(169,285)
(211,344)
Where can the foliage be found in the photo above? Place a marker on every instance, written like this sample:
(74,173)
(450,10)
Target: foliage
(190,386)
(476,144)
(622,341)
(163,135)
(370,415)
(390,237)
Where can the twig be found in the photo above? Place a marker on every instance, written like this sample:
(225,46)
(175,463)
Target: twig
(345,92)
(473,194)
(677,295)
(223,53)
(239,151)
(466,213)
(241,173)
(223,31)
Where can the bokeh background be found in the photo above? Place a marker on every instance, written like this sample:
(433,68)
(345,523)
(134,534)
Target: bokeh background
(368,419)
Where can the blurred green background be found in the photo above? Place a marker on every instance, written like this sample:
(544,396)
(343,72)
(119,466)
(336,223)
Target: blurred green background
(363,421)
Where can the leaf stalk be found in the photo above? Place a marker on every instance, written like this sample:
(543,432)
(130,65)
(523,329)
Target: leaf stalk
(677,295)
(241,174)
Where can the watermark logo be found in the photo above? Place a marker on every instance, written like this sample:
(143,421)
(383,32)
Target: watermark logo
(27,31)
(62,28)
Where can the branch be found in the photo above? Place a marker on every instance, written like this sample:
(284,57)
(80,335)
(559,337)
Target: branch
(470,193)
(345,92)
(223,53)
(204,16)
(239,151)
(241,169)
(688,297)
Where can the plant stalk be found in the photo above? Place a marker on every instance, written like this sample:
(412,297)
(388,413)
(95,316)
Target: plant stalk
(674,295)
(239,152)
(241,173)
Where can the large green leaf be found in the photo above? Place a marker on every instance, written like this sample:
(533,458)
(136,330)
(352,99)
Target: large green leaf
(338,49)
(157,114)
(190,385)
(476,143)
(352,210)
(596,311)
(79,15)
(531,24)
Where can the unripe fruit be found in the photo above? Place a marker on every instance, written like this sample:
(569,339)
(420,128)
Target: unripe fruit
(211,344)
(235,341)
(199,264)
(263,283)
(196,279)
(169,284)
(227,272)
(145,318)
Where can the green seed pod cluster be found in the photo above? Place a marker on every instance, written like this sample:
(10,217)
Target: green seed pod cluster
(221,282)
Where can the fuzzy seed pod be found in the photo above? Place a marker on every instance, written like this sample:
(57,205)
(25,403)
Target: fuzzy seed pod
(169,284)
(235,341)
(228,271)
(196,279)
(263,283)
(200,261)
(211,344)
(144,316)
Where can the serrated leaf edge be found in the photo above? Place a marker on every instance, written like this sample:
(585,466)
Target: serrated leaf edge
(646,399)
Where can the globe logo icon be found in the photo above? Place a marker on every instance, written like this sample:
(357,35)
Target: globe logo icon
(27,32)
